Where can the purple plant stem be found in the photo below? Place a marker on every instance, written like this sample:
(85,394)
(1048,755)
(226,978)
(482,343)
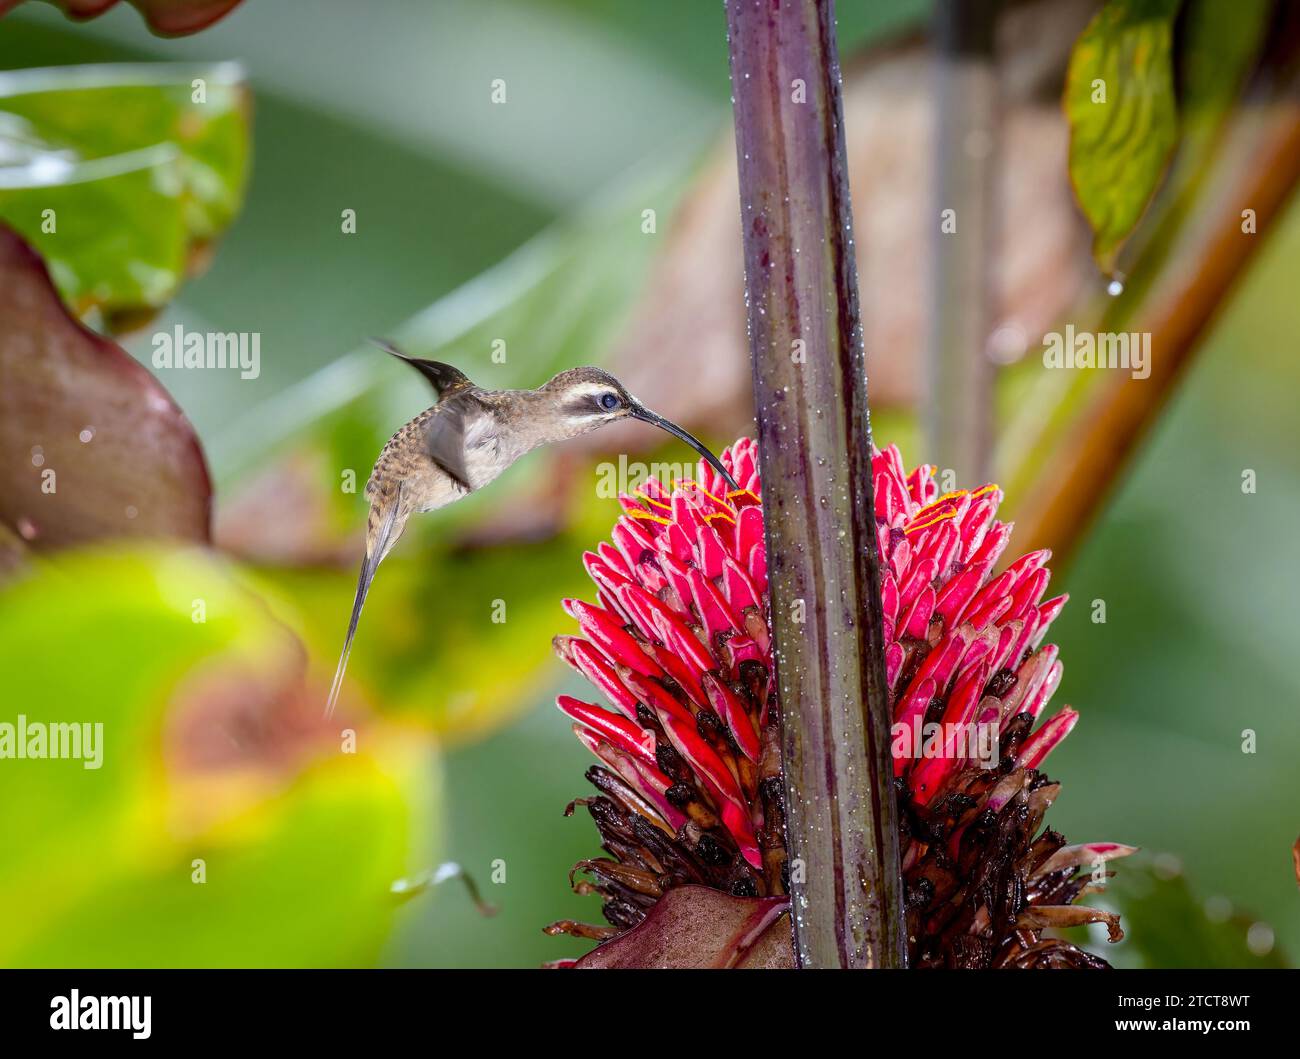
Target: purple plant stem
(810,392)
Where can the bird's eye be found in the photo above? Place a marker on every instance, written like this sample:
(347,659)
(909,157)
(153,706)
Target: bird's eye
(609,401)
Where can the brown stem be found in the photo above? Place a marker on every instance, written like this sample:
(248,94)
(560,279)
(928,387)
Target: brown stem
(958,410)
(815,449)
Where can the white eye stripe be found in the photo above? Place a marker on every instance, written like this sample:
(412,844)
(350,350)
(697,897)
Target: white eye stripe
(590,389)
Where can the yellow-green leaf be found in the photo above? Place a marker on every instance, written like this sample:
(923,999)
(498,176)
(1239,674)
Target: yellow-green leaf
(220,821)
(1119,100)
(161,149)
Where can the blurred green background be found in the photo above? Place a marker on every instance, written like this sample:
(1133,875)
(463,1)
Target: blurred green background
(384,108)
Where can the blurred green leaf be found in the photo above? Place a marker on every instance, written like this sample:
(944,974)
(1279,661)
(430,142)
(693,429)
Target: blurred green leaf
(455,638)
(212,751)
(555,302)
(161,149)
(1119,99)
(1219,46)
(1166,925)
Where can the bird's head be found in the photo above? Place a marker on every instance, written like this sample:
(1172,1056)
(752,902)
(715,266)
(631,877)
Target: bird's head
(587,398)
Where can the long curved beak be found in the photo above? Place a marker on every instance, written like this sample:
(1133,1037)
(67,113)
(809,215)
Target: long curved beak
(654,419)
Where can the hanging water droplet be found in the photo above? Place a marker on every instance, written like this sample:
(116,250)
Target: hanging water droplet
(1115,287)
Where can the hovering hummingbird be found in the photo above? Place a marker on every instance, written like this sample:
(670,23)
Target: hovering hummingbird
(467,439)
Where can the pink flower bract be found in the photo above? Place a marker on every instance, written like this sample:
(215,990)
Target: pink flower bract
(678,645)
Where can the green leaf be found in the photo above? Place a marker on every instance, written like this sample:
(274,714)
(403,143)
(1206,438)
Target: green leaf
(161,149)
(1166,925)
(555,302)
(1119,100)
(212,754)
(1220,45)
(459,639)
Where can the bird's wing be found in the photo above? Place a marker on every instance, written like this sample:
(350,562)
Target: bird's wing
(445,379)
(444,434)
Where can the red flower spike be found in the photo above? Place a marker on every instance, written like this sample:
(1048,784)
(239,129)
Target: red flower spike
(1034,704)
(921,576)
(588,661)
(893,661)
(619,731)
(646,780)
(675,541)
(710,551)
(631,541)
(654,696)
(749,531)
(995,543)
(613,558)
(758,566)
(607,634)
(958,593)
(966,694)
(1087,854)
(713,612)
(679,637)
(918,618)
(1047,612)
(732,711)
(681,673)
(1047,738)
(688,569)
(737,588)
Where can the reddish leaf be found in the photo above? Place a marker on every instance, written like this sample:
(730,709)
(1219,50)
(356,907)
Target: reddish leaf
(168,18)
(694,926)
(125,461)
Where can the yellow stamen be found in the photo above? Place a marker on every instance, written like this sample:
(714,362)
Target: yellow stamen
(937,501)
(650,517)
(932,522)
(679,482)
(653,500)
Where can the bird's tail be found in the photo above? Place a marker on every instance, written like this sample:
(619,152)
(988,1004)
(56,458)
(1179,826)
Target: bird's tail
(376,549)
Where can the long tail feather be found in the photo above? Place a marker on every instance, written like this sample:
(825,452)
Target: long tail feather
(375,552)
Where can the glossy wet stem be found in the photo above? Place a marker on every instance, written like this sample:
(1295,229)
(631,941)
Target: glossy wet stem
(810,394)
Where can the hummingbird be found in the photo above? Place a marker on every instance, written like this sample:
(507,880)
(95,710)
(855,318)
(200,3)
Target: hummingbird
(467,438)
